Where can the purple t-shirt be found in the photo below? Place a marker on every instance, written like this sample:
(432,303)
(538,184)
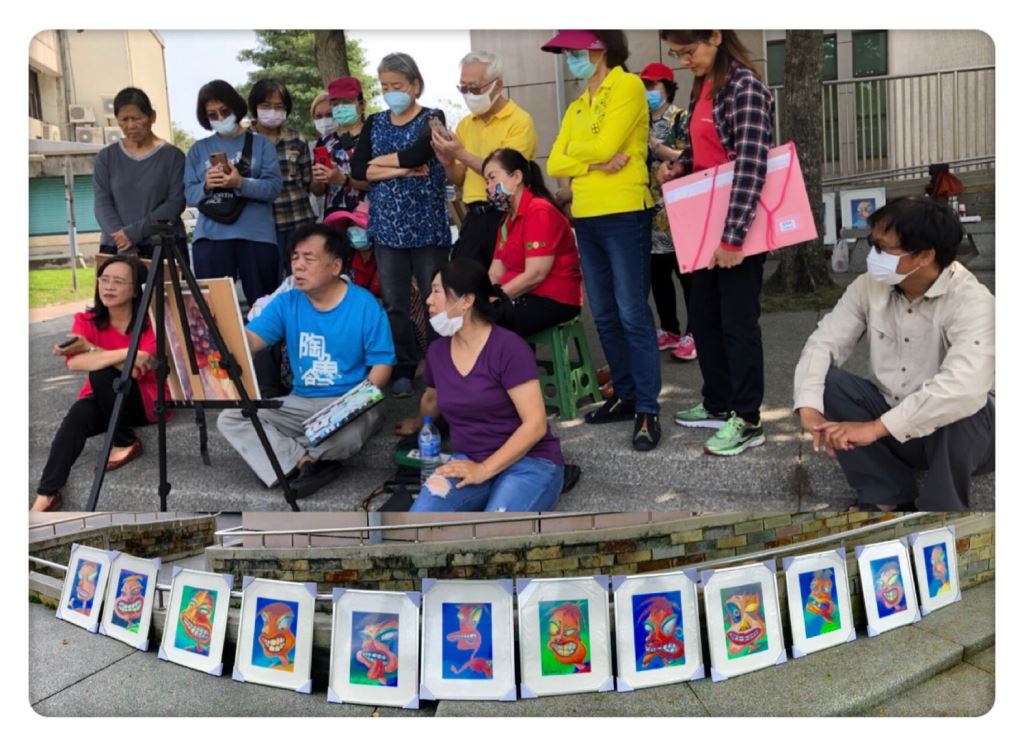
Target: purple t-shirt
(478,409)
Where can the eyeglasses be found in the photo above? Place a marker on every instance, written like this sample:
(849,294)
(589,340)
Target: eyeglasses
(219,114)
(116,282)
(474,90)
(682,56)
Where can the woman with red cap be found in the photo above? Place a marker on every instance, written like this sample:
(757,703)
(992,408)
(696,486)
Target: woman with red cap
(602,148)
(338,118)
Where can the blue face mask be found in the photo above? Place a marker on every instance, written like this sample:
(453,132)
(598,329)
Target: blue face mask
(398,101)
(654,100)
(579,64)
(345,114)
(358,237)
(224,126)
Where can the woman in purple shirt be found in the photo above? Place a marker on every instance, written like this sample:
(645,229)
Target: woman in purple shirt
(483,379)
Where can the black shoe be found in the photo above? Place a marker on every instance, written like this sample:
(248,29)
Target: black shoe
(613,410)
(314,475)
(646,431)
(571,477)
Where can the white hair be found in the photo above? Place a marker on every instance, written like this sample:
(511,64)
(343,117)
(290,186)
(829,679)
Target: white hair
(494,67)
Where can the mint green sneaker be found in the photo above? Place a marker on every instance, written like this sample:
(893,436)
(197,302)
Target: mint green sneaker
(700,417)
(734,437)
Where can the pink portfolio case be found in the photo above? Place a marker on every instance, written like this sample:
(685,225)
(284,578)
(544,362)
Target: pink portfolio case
(697,205)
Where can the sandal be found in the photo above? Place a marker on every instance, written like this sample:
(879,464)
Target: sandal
(54,504)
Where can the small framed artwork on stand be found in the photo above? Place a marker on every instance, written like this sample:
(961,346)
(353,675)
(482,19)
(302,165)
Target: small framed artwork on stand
(741,605)
(818,591)
(197,620)
(375,648)
(275,634)
(828,218)
(565,642)
(935,561)
(858,204)
(467,649)
(657,629)
(128,607)
(84,586)
(888,586)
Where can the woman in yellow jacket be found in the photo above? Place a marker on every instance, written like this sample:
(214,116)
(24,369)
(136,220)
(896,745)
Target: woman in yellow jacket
(602,148)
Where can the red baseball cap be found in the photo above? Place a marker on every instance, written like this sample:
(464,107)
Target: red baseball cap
(345,87)
(657,71)
(573,40)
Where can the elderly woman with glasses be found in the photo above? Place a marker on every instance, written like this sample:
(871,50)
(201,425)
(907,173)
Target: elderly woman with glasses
(247,245)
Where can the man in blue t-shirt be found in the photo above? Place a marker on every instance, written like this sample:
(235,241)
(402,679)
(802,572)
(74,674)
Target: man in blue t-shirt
(337,335)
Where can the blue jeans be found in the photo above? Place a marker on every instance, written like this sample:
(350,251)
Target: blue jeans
(615,251)
(529,485)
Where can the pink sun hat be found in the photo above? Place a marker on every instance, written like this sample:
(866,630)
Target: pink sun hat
(573,40)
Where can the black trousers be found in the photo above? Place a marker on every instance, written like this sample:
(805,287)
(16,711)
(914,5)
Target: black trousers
(479,233)
(88,417)
(726,306)
(273,371)
(884,472)
(663,289)
(529,314)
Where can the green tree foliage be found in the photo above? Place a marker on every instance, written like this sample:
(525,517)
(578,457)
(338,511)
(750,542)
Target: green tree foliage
(182,139)
(290,56)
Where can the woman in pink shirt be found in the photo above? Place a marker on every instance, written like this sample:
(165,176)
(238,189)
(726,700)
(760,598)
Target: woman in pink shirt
(98,345)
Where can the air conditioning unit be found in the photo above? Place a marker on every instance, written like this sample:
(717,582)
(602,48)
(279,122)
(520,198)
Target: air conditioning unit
(108,107)
(89,135)
(80,114)
(112,135)
(51,132)
(35,129)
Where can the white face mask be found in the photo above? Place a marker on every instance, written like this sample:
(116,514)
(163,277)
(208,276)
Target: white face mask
(445,325)
(224,126)
(479,103)
(272,118)
(882,267)
(325,125)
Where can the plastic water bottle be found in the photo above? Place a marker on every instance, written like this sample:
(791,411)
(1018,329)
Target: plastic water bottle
(430,449)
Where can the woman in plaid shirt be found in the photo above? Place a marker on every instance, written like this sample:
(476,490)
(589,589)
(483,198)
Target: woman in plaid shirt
(730,116)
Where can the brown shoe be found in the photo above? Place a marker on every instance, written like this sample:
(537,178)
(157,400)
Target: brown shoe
(133,453)
(54,504)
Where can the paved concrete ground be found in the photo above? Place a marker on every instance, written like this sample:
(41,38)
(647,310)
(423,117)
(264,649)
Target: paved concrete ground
(944,665)
(784,475)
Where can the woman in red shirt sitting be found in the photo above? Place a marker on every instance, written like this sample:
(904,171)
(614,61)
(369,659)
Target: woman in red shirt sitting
(536,262)
(98,346)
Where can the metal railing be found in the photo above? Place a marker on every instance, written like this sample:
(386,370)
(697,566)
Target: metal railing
(111,514)
(894,126)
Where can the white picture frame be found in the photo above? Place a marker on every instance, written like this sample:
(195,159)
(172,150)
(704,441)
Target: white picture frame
(275,634)
(828,218)
(818,593)
(657,629)
(85,583)
(467,648)
(890,600)
(857,204)
(128,604)
(370,624)
(934,590)
(198,607)
(569,615)
(741,607)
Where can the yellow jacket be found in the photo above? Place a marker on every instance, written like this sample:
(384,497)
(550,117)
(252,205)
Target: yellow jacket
(616,120)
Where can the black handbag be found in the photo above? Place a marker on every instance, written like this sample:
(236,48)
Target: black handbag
(225,205)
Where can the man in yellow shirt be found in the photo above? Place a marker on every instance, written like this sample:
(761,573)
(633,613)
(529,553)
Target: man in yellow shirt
(495,121)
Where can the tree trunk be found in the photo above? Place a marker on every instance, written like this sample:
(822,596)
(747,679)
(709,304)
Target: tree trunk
(803,268)
(331,55)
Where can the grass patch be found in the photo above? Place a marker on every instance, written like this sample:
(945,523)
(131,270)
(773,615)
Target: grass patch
(822,299)
(49,286)
(35,598)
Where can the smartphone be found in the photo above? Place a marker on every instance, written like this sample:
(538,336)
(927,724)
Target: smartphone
(220,159)
(322,157)
(438,126)
(67,343)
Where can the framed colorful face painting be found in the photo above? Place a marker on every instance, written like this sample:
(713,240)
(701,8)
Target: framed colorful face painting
(935,562)
(275,634)
(468,651)
(741,605)
(858,204)
(197,620)
(657,629)
(819,601)
(564,636)
(128,605)
(375,648)
(888,586)
(84,586)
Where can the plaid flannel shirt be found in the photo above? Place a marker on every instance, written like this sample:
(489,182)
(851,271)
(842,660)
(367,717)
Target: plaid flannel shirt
(743,118)
(292,207)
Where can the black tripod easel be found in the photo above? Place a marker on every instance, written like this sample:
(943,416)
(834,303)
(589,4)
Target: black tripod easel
(169,250)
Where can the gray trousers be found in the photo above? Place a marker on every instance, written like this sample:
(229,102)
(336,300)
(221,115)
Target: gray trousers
(884,472)
(284,431)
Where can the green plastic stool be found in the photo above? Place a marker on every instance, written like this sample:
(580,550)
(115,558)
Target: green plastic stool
(563,380)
